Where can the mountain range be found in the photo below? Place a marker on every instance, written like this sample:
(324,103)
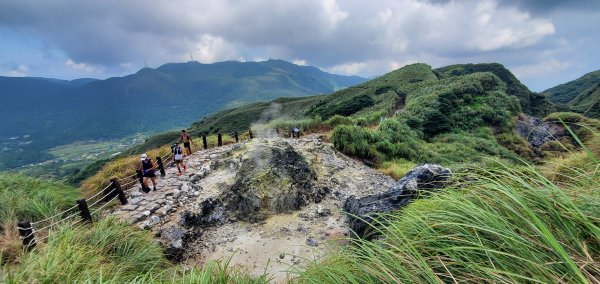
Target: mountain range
(37,114)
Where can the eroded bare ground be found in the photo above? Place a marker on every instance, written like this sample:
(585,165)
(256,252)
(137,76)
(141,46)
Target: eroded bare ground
(268,204)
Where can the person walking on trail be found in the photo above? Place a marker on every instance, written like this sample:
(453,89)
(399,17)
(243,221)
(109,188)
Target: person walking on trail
(178,154)
(187,142)
(148,167)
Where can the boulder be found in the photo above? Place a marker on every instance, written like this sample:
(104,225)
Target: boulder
(273,178)
(419,180)
(173,239)
(536,131)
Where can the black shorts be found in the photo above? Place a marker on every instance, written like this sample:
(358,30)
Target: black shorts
(150,174)
(186,145)
(178,161)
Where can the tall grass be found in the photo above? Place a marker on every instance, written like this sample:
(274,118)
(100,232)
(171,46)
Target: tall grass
(110,251)
(504,226)
(28,199)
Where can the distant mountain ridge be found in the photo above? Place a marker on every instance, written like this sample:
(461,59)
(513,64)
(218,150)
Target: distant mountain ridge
(580,95)
(55,112)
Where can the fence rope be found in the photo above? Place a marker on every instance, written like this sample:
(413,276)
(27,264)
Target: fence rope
(104,205)
(100,199)
(127,177)
(54,216)
(98,193)
(128,184)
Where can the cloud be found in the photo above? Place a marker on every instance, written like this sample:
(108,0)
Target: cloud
(541,69)
(82,67)
(300,62)
(20,71)
(345,36)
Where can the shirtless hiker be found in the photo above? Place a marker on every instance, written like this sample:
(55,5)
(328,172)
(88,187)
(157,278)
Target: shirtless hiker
(187,142)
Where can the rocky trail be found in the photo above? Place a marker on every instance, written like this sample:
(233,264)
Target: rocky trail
(268,204)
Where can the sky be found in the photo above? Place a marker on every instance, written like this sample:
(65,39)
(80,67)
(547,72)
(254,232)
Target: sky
(543,42)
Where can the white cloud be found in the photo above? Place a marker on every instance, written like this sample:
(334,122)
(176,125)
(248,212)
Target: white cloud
(540,69)
(82,67)
(210,48)
(301,62)
(349,68)
(20,71)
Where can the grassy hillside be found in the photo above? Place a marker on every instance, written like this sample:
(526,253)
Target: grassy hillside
(446,115)
(531,103)
(581,95)
(28,199)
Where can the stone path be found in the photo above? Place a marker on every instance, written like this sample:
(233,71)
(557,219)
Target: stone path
(276,244)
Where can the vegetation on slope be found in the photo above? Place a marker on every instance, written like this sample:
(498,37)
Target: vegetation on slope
(581,95)
(24,198)
(110,251)
(531,103)
(504,225)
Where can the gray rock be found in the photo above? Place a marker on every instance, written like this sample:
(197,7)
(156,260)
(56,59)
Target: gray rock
(184,187)
(419,180)
(536,131)
(153,207)
(312,242)
(322,211)
(129,207)
(147,213)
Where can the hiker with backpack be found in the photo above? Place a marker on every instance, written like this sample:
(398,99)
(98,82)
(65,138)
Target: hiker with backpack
(178,157)
(148,167)
(187,141)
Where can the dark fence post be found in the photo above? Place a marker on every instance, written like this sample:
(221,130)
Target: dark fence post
(219,140)
(250,133)
(277,130)
(140,175)
(119,191)
(84,210)
(204,143)
(161,167)
(26,233)
(237,138)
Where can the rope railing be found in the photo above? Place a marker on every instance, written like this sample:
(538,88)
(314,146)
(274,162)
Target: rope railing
(54,216)
(103,197)
(27,230)
(99,192)
(104,205)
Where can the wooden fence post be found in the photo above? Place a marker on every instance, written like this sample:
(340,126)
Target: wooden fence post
(26,234)
(204,143)
(237,138)
(119,191)
(250,133)
(140,175)
(161,167)
(219,140)
(84,210)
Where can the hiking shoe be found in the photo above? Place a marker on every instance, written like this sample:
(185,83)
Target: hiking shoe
(178,174)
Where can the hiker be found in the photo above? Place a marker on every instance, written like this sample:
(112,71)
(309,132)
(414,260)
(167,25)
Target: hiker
(187,142)
(147,166)
(178,154)
(296,132)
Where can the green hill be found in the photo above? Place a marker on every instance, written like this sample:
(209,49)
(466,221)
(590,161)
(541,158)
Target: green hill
(43,113)
(379,97)
(581,95)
